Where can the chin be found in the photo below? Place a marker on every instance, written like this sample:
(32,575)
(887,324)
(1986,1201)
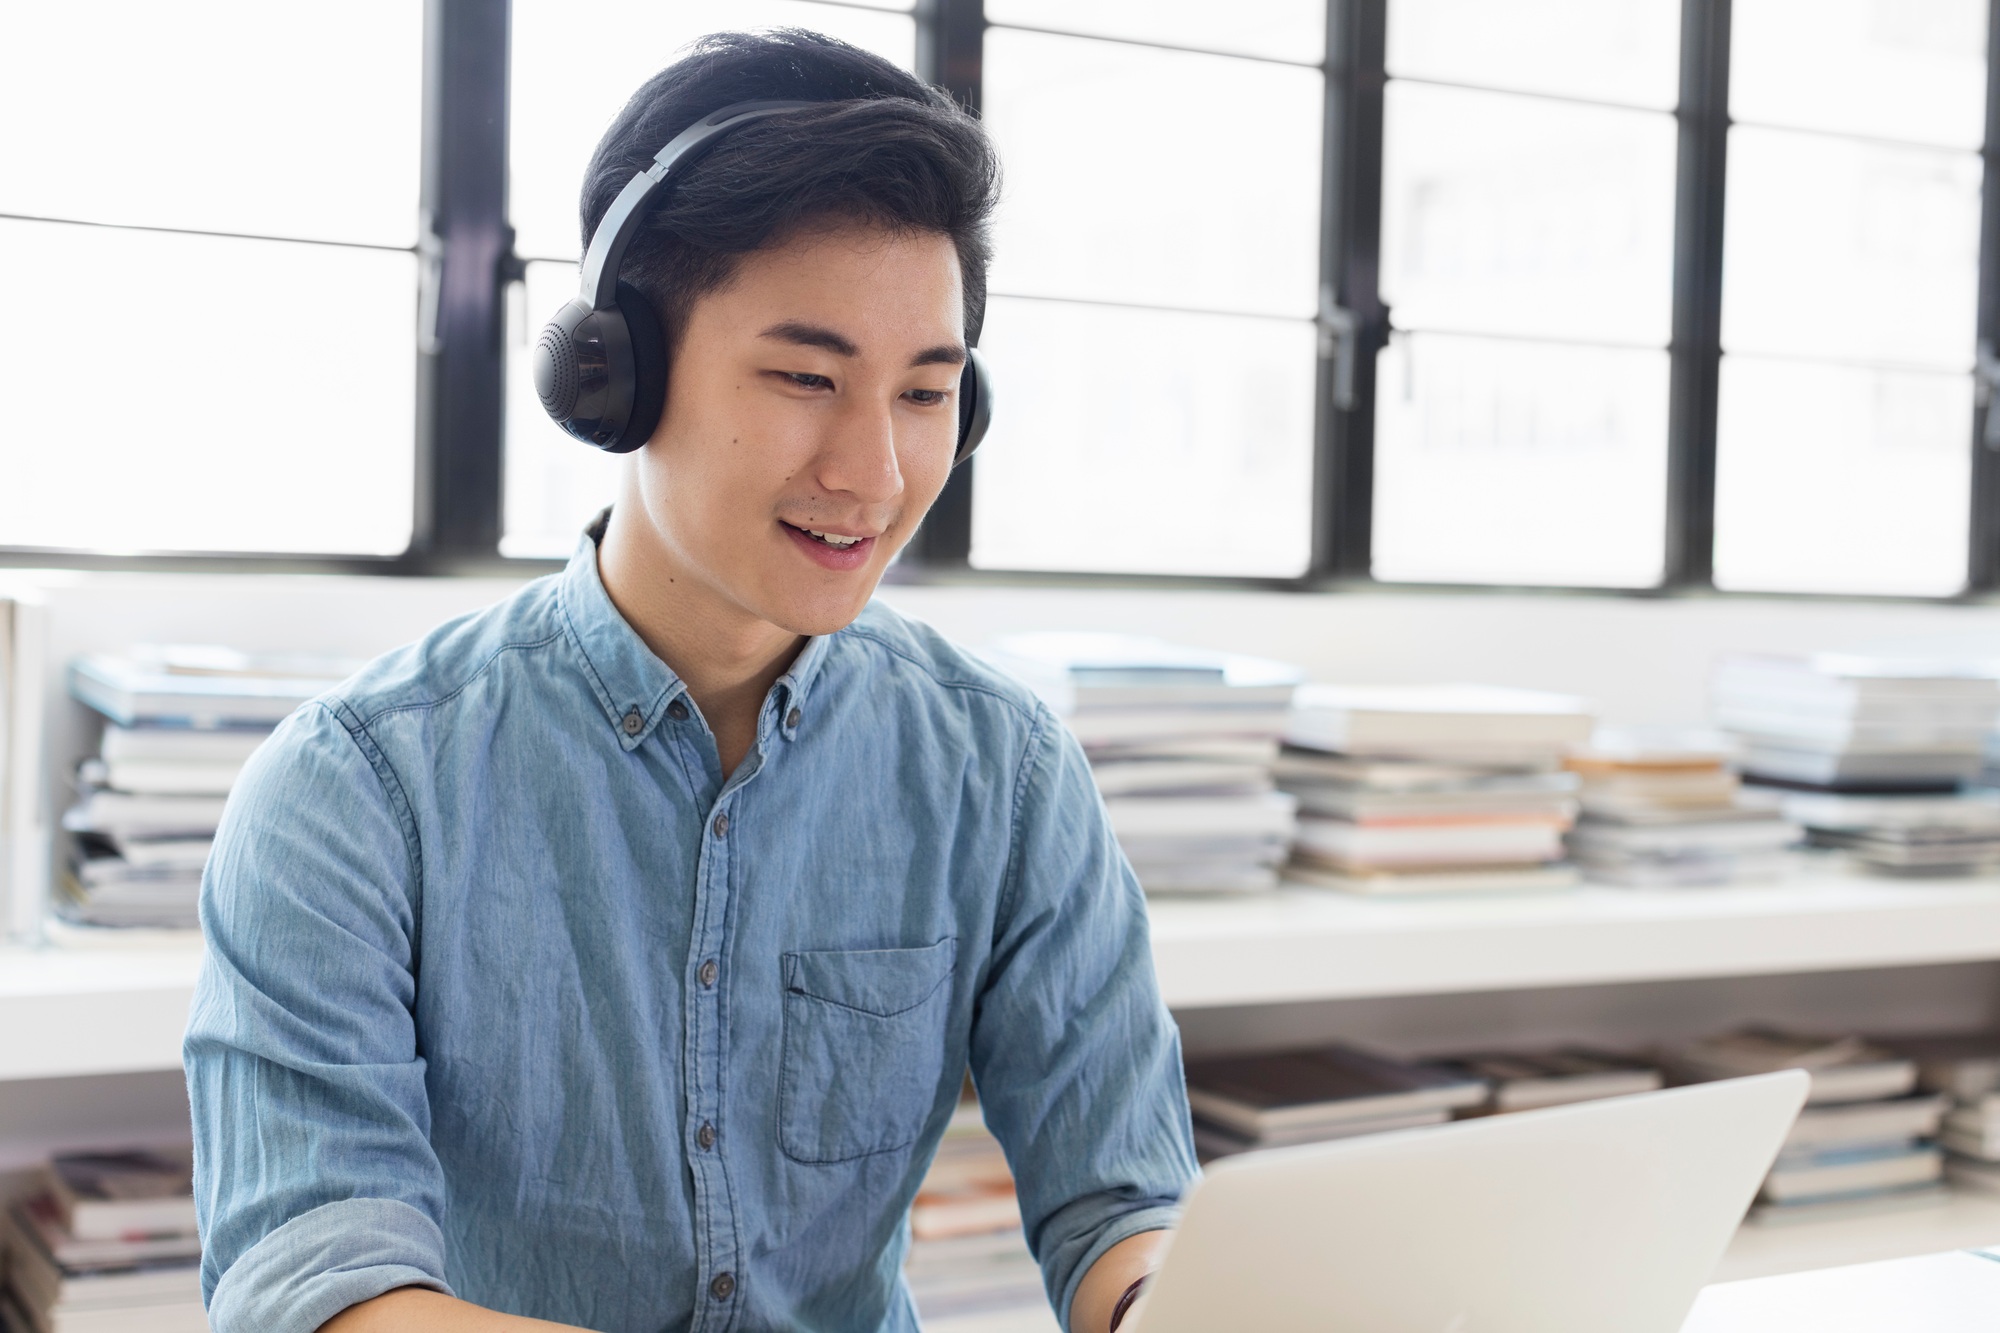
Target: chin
(821,611)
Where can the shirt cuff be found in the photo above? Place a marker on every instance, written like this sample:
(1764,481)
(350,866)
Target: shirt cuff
(1121,1228)
(321,1262)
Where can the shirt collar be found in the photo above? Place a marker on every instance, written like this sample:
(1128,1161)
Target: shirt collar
(633,686)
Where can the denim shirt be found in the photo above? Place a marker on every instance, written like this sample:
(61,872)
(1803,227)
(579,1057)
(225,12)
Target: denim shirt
(512,993)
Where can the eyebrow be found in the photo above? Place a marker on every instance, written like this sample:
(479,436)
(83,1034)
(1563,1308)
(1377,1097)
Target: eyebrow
(815,335)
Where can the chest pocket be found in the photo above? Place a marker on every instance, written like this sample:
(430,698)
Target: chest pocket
(864,1048)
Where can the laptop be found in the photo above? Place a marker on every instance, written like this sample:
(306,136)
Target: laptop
(1599,1217)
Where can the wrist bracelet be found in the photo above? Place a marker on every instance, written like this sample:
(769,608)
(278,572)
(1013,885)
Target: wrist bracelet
(1119,1310)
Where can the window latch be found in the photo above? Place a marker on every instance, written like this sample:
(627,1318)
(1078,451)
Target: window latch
(1986,392)
(430,287)
(1339,342)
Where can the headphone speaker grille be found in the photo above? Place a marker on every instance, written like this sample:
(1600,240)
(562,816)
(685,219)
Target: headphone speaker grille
(555,371)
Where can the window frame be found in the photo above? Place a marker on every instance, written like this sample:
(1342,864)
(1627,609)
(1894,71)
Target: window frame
(468,261)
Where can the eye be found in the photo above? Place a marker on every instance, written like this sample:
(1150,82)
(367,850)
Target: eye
(807,380)
(928,397)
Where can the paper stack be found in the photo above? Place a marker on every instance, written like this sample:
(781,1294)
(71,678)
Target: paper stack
(1308,1096)
(1847,722)
(180,724)
(1662,808)
(1863,1143)
(1945,834)
(1431,789)
(1181,742)
(967,1252)
(107,1245)
(1531,1080)
(1964,1070)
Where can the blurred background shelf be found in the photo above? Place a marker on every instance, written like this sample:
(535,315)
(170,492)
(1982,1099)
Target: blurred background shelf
(1305,945)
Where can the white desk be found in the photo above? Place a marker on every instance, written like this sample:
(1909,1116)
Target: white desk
(1935,1293)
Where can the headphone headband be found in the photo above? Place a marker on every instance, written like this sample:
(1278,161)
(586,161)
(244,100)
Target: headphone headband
(621,221)
(600,366)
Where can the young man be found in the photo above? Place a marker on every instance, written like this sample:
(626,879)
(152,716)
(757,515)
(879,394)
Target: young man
(613,957)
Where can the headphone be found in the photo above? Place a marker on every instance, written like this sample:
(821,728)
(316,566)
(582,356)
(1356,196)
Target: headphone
(601,364)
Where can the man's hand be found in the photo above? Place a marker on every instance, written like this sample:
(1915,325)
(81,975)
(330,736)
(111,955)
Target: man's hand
(420,1310)
(1116,1269)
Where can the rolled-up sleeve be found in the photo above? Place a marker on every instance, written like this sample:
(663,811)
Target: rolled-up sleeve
(1076,1059)
(315,1180)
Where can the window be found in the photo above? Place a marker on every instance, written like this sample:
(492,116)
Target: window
(1157,269)
(1850,275)
(1623,294)
(1527,262)
(208,260)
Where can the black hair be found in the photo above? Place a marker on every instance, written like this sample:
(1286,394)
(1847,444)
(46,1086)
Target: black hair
(887,150)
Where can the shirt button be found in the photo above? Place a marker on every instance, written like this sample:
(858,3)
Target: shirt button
(633,723)
(708,971)
(705,1136)
(723,1287)
(678,711)
(792,719)
(722,825)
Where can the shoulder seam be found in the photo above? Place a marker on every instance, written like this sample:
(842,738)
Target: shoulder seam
(392,787)
(471,678)
(1028,713)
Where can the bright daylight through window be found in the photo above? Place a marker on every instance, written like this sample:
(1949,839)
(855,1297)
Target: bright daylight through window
(1527,262)
(251,390)
(1850,272)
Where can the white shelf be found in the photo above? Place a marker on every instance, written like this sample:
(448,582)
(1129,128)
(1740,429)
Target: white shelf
(93,1011)
(1315,945)
(100,1010)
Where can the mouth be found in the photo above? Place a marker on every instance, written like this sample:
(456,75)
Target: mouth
(830,550)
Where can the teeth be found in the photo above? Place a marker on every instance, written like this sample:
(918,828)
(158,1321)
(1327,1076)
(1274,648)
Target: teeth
(832,538)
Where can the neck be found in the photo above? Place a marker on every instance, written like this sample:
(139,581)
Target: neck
(727,657)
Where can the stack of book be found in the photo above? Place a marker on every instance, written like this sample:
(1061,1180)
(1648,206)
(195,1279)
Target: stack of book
(1246,1102)
(1863,1142)
(1964,1070)
(106,1245)
(1878,749)
(1531,1080)
(179,725)
(967,1251)
(1181,743)
(1663,808)
(1904,834)
(1432,789)
(1846,722)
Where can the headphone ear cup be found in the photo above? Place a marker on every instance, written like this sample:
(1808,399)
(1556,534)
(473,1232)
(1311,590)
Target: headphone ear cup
(649,368)
(975,405)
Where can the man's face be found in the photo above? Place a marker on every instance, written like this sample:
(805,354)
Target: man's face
(817,393)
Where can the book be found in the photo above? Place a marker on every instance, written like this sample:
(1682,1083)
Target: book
(1253,814)
(1437,720)
(1964,1066)
(40,1215)
(155,777)
(1212,1141)
(1839,1172)
(1746,836)
(1296,1091)
(1970,812)
(1527,1080)
(124,1195)
(1435,807)
(1843,1069)
(1078,671)
(160,1297)
(1419,882)
(1342,844)
(1939,772)
(1118,727)
(122,815)
(1840,1207)
(1141,777)
(179,745)
(201,687)
(1900,1118)
(1299,768)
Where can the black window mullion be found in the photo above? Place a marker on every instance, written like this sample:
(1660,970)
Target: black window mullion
(1350,250)
(1983,549)
(1703,118)
(460,375)
(951,53)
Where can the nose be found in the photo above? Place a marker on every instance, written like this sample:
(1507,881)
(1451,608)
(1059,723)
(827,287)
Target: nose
(858,455)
